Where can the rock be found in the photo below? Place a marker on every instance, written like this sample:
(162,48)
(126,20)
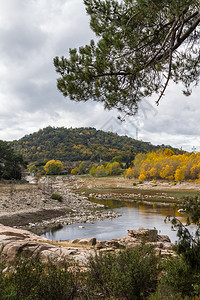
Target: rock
(17,241)
(76,241)
(89,242)
(132,245)
(167,246)
(100,245)
(114,244)
(150,235)
(164,239)
(106,250)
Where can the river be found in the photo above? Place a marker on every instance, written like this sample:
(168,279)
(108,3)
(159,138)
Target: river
(133,216)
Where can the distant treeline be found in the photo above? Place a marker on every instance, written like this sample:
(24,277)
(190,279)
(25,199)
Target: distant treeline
(80,144)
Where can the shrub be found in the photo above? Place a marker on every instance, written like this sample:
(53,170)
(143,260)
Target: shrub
(57,197)
(179,279)
(129,274)
(32,279)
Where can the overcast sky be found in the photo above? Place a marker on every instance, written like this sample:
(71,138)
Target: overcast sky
(32,33)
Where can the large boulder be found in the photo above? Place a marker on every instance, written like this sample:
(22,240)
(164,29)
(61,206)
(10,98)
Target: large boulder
(17,241)
(144,235)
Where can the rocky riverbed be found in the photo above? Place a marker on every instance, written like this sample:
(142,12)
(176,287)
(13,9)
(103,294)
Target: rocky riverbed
(31,207)
(17,241)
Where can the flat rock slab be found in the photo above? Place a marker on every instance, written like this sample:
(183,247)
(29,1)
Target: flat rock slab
(15,241)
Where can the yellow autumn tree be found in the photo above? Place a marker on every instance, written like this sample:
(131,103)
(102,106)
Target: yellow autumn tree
(74,171)
(179,175)
(143,175)
(53,167)
(153,173)
(168,152)
(129,173)
(92,171)
(167,172)
(100,171)
(163,164)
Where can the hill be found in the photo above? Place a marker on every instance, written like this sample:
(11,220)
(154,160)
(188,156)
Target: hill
(80,144)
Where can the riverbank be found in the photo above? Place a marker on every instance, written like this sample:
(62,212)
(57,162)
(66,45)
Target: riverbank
(130,190)
(14,242)
(30,206)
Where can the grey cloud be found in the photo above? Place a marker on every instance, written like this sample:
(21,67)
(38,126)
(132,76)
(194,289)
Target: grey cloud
(20,42)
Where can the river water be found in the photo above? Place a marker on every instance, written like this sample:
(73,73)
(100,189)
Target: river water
(134,216)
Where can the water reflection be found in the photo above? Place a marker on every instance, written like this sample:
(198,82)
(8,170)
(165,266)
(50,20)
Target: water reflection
(134,216)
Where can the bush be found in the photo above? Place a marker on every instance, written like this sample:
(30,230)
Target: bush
(178,279)
(57,197)
(129,274)
(33,280)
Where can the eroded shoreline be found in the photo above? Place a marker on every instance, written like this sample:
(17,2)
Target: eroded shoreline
(29,206)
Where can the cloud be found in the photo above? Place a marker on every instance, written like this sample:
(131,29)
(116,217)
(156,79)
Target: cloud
(32,33)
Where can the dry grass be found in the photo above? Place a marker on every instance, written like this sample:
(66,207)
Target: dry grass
(121,182)
(6,187)
(66,244)
(121,186)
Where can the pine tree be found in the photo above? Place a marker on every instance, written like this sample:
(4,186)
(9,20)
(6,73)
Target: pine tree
(142,45)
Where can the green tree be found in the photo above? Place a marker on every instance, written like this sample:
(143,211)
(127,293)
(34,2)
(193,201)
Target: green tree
(92,171)
(142,45)
(188,245)
(117,159)
(100,171)
(84,167)
(11,163)
(53,167)
(113,168)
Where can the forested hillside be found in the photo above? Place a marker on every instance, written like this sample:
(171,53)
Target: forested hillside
(80,144)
